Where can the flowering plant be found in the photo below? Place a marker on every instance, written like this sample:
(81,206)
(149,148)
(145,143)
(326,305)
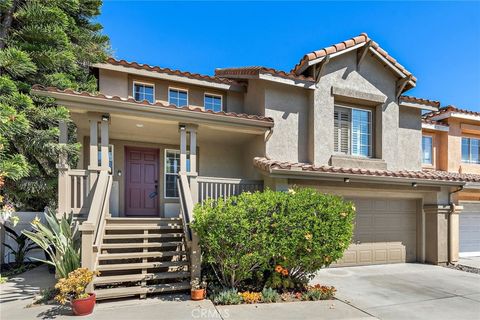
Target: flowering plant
(251,297)
(73,287)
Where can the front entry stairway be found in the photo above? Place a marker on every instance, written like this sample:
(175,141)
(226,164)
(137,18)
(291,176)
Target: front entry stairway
(138,256)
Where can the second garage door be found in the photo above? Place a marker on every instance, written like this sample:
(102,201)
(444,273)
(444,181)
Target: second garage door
(385,232)
(470,229)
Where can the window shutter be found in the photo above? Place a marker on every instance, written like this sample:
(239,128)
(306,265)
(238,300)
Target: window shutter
(342,130)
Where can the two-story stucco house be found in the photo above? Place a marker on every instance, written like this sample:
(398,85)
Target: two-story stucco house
(156,141)
(451,142)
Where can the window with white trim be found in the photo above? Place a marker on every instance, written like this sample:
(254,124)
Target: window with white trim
(353,131)
(178,97)
(427,150)
(470,150)
(172,167)
(143,91)
(213,102)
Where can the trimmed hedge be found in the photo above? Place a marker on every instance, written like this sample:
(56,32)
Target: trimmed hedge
(249,235)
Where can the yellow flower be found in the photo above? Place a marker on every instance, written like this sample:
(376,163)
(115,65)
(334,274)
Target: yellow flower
(308,236)
(291,191)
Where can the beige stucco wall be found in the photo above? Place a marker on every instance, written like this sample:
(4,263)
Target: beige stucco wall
(371,78)
(214,160)
(121,84)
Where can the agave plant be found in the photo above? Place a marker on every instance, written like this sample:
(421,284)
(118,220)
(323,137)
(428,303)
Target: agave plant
(59,239)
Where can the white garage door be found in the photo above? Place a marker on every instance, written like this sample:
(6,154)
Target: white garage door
(470,229)
(385,232)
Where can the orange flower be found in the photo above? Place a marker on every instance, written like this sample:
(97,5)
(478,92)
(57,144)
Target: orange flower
(285,272)
(278,269)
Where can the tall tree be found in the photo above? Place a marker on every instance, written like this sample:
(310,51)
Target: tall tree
(52,43)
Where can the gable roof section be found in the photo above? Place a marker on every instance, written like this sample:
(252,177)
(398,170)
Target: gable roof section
(267,121)
(451,111)
(432,103)
(271,166)
(166,71)
(344,46)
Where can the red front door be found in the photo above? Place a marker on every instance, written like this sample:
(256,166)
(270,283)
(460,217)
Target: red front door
(141,182)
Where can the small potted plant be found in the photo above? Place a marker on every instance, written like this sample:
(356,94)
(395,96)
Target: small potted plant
(73,289)
(198,289)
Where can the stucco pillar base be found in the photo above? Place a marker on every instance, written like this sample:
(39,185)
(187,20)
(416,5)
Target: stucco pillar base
(436,233)
(453,234)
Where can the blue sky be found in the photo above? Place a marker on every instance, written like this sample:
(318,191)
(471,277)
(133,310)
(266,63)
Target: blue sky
(439,42)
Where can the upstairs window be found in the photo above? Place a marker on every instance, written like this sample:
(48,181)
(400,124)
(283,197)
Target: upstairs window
(353,131)
(213,102)
(470,150)
(143,91)
(427,150)
(178,97)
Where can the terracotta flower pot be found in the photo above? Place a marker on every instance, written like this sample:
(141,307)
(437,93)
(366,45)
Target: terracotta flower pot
(198,294)
(82,307)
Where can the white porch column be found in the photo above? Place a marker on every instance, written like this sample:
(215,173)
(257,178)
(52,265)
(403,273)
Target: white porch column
(183,148)
(104,143)
(93,159)
(62,166)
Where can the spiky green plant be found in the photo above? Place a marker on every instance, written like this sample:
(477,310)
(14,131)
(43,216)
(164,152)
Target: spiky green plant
(59,239)
(23,245)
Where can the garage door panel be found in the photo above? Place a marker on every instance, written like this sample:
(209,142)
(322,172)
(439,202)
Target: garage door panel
(470,228)
(385,232)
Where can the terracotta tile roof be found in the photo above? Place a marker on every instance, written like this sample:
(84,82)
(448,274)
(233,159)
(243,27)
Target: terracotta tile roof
(169,71)
(432,103)
(267,165)
(446,109)
(362,38)
(256,70)
(157,104)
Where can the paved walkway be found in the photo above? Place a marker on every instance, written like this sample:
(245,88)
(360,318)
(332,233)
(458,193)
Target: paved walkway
(403,291)
(407,291)
(472,262)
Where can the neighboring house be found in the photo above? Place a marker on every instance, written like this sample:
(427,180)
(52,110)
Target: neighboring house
(451,142)
(156,141)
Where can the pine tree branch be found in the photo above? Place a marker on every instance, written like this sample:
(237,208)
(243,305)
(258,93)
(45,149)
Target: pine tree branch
(6,23)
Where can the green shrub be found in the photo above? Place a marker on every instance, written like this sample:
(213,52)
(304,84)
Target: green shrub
(226,297)
(270,295)
(301,230)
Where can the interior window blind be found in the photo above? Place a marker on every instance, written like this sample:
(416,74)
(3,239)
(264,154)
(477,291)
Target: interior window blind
(342,123)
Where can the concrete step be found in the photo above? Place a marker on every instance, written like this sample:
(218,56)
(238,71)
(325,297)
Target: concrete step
(133,255)
(142,236)
(131,226)
(136,245)
(121,292)
(145,265)
(140,277)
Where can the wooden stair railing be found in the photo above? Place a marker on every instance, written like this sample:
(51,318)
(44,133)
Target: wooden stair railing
(93,228)
(186,206)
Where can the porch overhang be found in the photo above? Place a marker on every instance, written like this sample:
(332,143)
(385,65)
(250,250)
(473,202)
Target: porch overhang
(278,169)
(84,103)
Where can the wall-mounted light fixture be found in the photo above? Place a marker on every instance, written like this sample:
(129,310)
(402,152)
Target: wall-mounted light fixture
(106,117)
(119,173)
(414,185)
(346,180)
(139,125)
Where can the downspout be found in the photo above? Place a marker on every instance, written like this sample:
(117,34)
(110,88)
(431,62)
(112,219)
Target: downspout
(453,241)
(267,137)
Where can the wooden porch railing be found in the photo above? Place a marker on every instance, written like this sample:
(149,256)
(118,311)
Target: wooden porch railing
(78,187)
(186,206)
(210,187)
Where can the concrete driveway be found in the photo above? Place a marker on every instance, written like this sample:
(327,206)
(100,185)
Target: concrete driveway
(407,291)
